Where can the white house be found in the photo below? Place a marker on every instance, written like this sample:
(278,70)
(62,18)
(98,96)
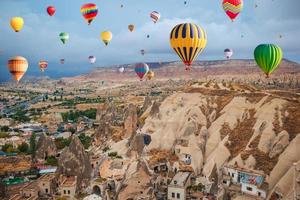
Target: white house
(177,187)
(251,182)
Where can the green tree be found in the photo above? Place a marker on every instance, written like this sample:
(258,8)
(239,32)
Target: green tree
(32,142)
(4,135)
(24,147)
(61,142)
(52,161)
(85,140)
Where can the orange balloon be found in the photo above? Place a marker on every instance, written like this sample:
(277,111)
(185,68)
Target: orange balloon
(17,66)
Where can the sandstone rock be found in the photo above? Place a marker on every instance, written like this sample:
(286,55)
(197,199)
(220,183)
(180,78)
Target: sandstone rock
(280,143)
(155,109)
(147,103)
(74,161)
(45,147)
(130,121)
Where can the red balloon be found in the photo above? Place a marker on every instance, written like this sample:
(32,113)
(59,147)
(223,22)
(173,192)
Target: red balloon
(51,10)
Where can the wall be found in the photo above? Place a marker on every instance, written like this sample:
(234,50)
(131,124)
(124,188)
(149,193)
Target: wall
(176,190)
(254,191)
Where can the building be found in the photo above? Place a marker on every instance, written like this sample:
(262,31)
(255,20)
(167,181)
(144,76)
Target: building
(177,189)
(250,182)
(67,186)
(47,185)
(29,191)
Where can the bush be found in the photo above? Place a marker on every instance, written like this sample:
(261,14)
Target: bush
(52,161)
(8,148)
(61,143)
(4,135)
(23,148)
(85,140)
(112,154)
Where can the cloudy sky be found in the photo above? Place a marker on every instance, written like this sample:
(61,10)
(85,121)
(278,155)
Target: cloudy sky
(39,37)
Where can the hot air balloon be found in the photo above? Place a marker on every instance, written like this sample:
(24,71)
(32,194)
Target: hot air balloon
(268,57)
(141,69)
(17,66)
(17,23)
(121,69)
(150,75)
(232,8)
(51,10)
(92,59)
(155,16)
(64,37)
(131,27)
(188,40)
(62,61)
(142,51)
(148,36)
(89,12)
(106,37)
(228,53)
(43,65)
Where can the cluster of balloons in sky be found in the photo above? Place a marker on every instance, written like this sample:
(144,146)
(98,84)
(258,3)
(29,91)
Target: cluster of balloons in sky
(188,40)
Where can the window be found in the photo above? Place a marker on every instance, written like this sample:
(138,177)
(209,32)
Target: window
(69,192)
(232,174)
(228,173)
(173,195)
(65,192)
(259,194)
(46,190)
(178,196)
(249,188)
(224,181)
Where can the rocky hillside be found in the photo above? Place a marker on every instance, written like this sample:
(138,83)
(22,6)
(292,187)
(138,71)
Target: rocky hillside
(176,70)
(227,124)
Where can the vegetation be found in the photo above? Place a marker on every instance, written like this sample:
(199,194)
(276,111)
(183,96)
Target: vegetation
(32,142)
(114,155)
(52,161)
(200,187)
(4,128)
(82,100)
(8,148)
(73,116)
(21,116)
(4,135)
(62,142)
(85,140)
(23,148)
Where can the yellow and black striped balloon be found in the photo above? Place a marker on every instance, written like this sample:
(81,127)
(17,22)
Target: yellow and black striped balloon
(188,40)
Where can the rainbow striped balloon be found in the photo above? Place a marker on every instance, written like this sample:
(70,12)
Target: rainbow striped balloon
(89,12)
(232,8)
(141,69)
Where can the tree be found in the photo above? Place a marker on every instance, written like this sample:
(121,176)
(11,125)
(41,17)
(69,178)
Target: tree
(23,148)
(52,161)
(32,142)
(85,140)
(8,148)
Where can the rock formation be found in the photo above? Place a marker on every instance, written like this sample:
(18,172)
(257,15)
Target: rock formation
(130,121)
(45,147)
(74,161)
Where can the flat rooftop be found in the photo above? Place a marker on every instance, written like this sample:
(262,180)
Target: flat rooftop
(180,179)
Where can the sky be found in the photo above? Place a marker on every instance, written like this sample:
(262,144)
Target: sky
(39,38)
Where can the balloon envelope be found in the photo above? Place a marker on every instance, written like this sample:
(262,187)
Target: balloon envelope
(150,74)
(268,57)
(141,69)
(228,53)
(106,37)
(131,27)
(62,61)
(17,23)
(188,41)
(64,37)
(232,8)
(51,10)
(89,12)
(43,65)
(92,59)
(17,66)
(155,16)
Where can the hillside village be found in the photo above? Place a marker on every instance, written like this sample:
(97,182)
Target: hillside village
(206,138)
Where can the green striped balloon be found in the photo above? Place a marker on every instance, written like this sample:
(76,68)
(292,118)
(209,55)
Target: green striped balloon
(64,37)
(268,57)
